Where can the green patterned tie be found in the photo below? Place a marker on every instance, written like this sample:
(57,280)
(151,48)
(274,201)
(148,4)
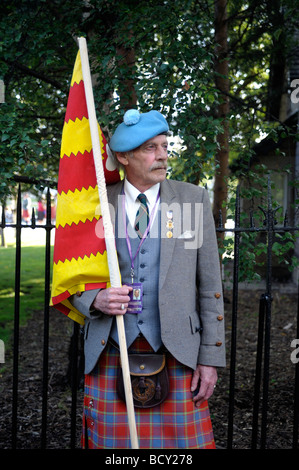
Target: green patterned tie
(142,217)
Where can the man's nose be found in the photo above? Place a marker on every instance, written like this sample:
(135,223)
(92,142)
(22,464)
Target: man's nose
(161,153)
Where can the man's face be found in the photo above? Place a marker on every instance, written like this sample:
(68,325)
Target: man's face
(147,166)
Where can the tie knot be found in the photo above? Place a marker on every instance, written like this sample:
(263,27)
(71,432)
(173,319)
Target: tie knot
(142,218)
(142,198)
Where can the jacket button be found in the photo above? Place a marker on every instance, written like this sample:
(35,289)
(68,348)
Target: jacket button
(103,342)
(217,295)
(219,343)
(220,317)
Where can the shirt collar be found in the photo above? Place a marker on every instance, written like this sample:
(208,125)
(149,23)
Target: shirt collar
(132,204)
(131,193)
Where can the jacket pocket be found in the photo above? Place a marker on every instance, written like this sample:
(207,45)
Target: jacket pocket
(86,328)
(195,325)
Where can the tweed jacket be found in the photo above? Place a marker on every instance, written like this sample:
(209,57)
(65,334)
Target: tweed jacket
(190,285)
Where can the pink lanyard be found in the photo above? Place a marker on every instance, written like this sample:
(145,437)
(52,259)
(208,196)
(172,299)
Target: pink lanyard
(144,235)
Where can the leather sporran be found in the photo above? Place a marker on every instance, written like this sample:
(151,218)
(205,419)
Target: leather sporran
(149,379)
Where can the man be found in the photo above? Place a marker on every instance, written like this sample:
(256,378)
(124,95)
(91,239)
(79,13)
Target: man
(175,264)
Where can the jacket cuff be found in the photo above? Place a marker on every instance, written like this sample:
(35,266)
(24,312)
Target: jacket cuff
(84,302)
(212,355)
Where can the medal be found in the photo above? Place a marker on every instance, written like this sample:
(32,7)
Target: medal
(169,224)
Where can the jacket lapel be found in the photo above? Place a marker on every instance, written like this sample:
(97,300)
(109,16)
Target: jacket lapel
(168,203)
(113,191)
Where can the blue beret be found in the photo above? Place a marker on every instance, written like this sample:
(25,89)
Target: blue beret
(136,129)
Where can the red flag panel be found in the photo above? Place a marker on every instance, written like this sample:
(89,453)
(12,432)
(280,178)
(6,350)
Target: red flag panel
(76,105)
(76,172)
(73,241)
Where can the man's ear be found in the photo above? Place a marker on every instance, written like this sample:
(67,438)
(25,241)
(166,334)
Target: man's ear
(122,157)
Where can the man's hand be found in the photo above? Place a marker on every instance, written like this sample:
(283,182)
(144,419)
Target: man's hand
(206,377)
(112,301)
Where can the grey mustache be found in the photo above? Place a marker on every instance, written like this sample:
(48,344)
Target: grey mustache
(158,166)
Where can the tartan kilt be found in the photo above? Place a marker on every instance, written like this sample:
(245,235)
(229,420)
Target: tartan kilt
(175,423)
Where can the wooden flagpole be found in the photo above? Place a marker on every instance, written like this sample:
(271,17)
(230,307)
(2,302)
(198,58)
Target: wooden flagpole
(115,279)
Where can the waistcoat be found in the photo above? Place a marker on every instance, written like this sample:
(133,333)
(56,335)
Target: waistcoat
(146,271)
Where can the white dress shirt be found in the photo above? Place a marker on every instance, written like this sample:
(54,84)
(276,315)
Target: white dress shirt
(132,203)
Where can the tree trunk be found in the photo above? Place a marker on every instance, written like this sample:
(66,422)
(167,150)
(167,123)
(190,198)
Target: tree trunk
(128,98)
(222,84)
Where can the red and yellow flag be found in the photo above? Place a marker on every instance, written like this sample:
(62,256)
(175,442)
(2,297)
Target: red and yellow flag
(80,257)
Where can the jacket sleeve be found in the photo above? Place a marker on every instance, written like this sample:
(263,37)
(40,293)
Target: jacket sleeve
(210,296)
(83,303)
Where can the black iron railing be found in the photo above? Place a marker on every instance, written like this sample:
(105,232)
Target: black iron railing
(263,334)
(264,328)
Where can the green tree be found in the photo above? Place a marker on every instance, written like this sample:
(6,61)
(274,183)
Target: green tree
(160,54)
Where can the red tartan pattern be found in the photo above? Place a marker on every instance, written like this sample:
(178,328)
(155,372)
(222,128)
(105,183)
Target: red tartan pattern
(176,423)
